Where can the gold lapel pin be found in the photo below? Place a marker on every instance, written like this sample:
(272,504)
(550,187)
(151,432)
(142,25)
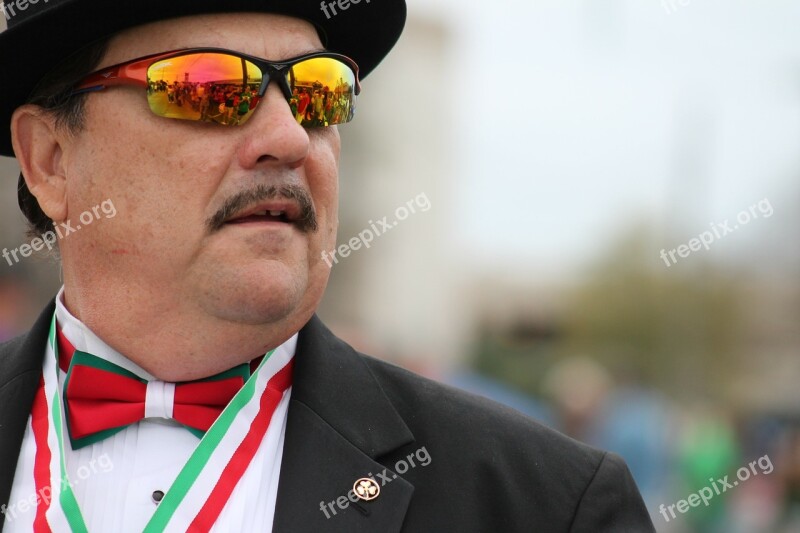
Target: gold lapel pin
(366,488)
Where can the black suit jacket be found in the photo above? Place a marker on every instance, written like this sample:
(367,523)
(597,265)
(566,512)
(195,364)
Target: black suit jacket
(447,461)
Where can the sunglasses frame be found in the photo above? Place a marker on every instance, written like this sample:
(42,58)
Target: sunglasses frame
(134,72)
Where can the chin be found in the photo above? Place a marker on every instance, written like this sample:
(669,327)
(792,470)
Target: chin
(267,293)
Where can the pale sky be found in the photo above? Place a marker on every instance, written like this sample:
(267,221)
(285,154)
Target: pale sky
(578,115)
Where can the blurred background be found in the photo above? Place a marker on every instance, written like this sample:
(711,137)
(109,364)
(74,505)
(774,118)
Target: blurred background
(539,161)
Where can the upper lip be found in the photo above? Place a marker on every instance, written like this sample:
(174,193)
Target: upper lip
(289,208)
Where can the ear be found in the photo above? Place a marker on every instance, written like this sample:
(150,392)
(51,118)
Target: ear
(38,147)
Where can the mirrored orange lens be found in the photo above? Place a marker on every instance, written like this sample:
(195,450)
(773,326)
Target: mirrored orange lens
(222,88)
(206,87)
(323,92)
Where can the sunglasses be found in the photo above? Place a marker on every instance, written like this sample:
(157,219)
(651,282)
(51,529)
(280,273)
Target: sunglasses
(225,87)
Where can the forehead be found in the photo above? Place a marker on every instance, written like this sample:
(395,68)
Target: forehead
(263,35)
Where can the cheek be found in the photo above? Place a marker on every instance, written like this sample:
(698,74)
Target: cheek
(323,176)
(155,172)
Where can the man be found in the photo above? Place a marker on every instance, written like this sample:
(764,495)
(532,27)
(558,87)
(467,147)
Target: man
(180,380)
(302,106)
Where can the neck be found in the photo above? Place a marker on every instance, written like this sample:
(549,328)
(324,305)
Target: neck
(176,343)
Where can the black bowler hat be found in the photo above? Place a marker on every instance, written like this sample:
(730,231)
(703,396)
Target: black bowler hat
(42,33)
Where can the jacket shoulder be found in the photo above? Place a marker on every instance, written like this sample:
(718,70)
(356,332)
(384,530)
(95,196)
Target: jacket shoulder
(23,355)
(475,444)
(487,434)
(10,346)
(11,354)
(481,420)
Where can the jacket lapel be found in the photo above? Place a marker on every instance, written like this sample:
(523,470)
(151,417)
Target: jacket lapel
(20,372)
(340,423)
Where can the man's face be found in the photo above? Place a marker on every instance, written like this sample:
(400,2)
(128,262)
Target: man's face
(175,182)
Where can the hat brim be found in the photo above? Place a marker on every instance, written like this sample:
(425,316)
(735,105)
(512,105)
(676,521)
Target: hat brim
(366,32)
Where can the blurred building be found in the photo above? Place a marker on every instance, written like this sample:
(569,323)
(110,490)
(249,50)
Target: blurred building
(400,298)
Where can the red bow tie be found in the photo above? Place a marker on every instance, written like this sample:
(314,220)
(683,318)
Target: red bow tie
(102,398)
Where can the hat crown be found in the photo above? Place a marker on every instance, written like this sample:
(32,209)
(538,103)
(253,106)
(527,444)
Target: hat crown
(18,11)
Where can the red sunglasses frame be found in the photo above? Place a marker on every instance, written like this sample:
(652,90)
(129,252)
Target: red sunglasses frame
(134,72)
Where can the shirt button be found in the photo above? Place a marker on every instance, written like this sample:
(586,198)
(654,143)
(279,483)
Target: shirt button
(158,495)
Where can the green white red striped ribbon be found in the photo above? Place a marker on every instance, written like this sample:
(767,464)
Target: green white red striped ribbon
(203,487)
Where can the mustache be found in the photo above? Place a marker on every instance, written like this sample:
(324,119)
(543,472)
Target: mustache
(307,222)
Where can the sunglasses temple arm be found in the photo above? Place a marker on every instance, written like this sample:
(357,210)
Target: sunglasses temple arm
(130,74)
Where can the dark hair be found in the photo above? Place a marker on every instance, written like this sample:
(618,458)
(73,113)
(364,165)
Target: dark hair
(54,94)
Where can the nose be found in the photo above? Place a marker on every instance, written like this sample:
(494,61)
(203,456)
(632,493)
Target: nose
(272,134)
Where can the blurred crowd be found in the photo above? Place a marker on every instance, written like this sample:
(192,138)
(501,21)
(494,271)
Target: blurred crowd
(231,104)
(673,449)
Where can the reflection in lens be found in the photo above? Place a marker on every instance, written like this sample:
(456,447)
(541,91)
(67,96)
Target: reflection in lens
(323,92)
(207,87)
